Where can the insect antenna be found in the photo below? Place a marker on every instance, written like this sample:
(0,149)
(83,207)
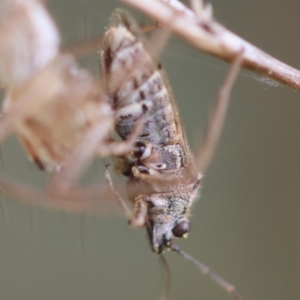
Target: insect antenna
(210,273)
(167,277)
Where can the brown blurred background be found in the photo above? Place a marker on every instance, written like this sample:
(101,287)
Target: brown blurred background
(246,225)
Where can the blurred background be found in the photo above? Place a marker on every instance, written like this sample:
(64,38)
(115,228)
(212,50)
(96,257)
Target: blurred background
(245,226)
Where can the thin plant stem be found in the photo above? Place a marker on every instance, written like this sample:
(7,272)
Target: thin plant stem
(207,35)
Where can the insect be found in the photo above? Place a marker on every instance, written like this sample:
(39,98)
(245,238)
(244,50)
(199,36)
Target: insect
(164,177)
(161,150)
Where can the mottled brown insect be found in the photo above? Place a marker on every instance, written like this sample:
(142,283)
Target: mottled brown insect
(164,177)
(161,150)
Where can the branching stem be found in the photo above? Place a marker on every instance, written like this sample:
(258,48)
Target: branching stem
(207,35)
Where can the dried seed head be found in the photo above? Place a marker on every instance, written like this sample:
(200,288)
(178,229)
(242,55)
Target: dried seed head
(28,40)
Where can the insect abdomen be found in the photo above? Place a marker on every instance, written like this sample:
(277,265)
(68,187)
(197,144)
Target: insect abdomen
(136,88)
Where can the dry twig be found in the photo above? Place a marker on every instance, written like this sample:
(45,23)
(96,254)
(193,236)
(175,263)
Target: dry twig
(206,34)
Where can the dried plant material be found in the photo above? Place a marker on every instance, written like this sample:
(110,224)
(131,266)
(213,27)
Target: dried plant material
(57,110)
(76,104)
(28,40)
(206,34)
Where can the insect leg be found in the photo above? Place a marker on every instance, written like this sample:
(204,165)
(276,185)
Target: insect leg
(137,218)
(120,201)
(216,122)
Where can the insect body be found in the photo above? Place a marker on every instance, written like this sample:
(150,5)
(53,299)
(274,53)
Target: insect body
(138,89)
(164,177)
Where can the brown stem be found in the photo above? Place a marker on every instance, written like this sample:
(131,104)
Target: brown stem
(209,36)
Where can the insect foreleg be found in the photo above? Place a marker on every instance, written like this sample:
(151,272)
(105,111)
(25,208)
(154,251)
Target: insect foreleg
(137,218)
(117,197)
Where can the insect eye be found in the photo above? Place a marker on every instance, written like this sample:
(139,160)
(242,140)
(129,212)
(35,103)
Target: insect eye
(139,149)
(181,229)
